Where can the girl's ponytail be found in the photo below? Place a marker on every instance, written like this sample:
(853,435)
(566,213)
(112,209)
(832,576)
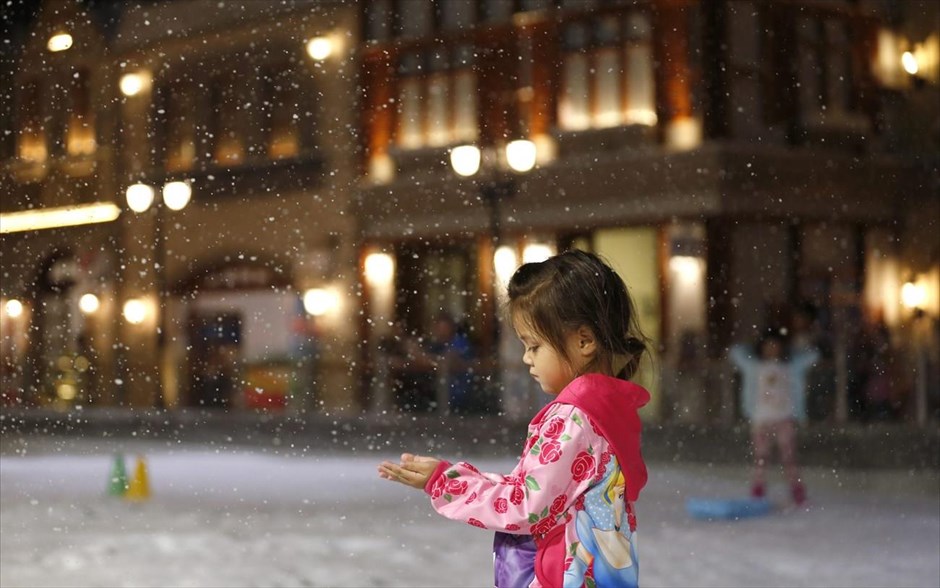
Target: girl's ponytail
(633,352)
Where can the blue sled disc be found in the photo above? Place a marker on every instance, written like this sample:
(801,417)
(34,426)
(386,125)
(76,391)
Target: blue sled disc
(727,508)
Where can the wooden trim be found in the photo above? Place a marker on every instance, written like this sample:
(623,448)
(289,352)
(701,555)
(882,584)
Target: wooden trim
(663,254)
(543,110)
(716,69)
(718,243)
(671,54)
(497,78)
(377,118)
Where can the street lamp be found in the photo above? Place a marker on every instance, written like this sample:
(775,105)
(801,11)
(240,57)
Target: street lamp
(319,48)
(520,155)
(89,303)
(175,195)
(13,308)
(59,42)
(495,187)
(133,83)
(466,160)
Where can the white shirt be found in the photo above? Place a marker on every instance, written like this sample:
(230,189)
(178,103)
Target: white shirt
(773,402)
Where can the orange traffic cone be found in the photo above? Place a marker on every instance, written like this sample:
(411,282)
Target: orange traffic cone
(139,487)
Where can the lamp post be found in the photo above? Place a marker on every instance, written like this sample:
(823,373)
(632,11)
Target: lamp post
(914,298)
(140,197)
(494,188)
(520,156)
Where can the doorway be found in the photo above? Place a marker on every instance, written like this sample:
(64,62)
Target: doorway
(215,341)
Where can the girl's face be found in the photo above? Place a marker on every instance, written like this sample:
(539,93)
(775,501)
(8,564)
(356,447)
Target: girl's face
(772,349)
(546,365)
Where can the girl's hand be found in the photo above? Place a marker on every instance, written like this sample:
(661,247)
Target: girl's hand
(413,470)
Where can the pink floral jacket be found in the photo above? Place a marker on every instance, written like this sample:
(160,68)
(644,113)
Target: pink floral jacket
(572,491)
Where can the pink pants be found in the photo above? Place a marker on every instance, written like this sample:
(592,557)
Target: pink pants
(783,433)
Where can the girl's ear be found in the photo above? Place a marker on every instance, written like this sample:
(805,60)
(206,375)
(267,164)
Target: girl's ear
(587,342)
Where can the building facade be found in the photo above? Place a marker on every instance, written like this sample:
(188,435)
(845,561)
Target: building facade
(744,165)
(237,148)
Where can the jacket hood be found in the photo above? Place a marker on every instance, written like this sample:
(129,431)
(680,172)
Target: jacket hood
(612,405)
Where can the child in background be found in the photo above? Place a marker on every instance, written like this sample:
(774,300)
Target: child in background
(773,399)
(565,515)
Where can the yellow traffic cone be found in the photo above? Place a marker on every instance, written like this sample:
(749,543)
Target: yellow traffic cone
(139,487)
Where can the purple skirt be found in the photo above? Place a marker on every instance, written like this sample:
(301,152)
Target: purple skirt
(513,560)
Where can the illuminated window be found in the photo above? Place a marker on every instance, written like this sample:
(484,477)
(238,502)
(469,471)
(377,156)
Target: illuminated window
(607,72)
(495,11)
(176,124)
(437,97)
(281,112)
(225,120)
(413,19)
(455,15)
(387,19)
(377,22)
(824,66)
(80,132)
(31,145)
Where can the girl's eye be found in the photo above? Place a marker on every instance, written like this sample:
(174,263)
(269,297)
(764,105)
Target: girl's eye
(532,349)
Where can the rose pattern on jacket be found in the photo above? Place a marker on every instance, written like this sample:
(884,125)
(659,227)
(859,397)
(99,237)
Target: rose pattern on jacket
(583,466)
(561,458)
(542,527)
(516,495)
(602,467)
(551,452)
(437,489)
(579,503)
(530,443)
(456,487)
(558,505)
(554,428)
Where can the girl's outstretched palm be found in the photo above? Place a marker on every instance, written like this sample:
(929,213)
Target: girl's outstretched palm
(412,470)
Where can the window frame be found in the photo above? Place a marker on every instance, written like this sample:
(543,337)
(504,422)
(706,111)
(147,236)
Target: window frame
(600,41)
(418,68)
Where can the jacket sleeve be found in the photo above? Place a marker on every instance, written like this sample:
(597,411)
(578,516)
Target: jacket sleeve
(560,462)
(803,360)
(742,358)
(800,366)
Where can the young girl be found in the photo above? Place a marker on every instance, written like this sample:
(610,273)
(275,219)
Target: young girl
(773,399)
(565,515)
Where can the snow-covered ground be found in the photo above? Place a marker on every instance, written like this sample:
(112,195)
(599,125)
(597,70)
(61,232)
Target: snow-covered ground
(253,517)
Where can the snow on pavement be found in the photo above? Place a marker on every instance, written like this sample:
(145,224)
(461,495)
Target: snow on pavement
(253,517)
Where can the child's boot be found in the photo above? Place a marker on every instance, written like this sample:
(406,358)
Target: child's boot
(799,493)
(757,490)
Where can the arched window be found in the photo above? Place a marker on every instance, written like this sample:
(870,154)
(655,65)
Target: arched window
(31,144)
(607,72)
(225,130)
(279,105)
(80,126)
(437,97)
(175,125)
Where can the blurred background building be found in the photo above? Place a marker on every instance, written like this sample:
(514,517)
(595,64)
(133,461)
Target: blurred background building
(308,206)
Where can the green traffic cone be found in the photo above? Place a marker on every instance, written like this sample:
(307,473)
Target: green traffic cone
(117,483)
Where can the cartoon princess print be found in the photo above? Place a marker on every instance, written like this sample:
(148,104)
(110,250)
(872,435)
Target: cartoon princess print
(604,553)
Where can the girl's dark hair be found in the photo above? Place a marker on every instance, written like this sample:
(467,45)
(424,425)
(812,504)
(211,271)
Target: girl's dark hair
(578,289)
(773,334)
